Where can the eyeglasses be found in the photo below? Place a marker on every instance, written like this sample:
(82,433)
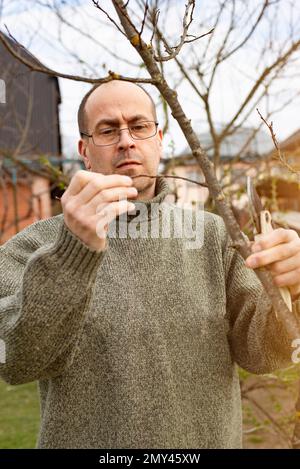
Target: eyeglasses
(112,135)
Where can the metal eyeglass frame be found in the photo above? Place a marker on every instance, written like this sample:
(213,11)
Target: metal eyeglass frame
(119,135)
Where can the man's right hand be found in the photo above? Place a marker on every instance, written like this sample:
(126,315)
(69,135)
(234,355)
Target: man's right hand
(92,201)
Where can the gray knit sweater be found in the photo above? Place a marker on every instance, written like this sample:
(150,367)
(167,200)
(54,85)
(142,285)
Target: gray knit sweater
(136,346)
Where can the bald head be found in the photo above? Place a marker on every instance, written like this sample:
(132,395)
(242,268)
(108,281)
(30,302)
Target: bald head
(121,106)
(101,95)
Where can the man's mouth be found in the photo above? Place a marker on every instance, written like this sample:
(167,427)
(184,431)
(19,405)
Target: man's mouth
(128,164)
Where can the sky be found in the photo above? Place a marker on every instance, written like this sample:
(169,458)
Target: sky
(59,46)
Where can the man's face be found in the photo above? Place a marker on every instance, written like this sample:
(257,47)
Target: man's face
(120,104)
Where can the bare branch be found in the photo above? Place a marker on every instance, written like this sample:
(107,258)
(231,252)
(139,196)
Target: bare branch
(284,435)
(281,157)
(266,4)
(39,67)
(185,37)
(290,322)
(279,62)
(94,40)
(144,18)
(154,20)
(201,184)
(96,4)
(175,52)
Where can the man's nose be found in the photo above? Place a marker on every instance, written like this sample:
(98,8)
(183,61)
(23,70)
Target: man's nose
(125,141)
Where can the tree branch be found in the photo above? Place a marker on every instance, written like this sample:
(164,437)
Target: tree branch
(278,63)
(281,157)
(36,66)
(146,53)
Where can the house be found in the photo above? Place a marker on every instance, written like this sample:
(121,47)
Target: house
(29,130)
(240,152)
(278,186)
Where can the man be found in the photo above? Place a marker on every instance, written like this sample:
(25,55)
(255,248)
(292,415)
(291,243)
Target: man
(135,342)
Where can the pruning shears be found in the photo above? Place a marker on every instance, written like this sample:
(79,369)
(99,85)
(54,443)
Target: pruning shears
(262,221)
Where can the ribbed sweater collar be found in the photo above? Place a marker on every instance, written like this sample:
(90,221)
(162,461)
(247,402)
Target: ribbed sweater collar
(150,207)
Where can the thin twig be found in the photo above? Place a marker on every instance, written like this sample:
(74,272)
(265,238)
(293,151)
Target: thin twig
(173,51)
(154,20)
(144,18)
(39,67)
(96,4)
(202,184)
(281,157)
(284,435)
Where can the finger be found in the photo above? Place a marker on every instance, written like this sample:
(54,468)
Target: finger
(109,213)
(85,187)
(113,209)
(111,195)
(288,279)
(98,184)
(286,265)
(102,229)
(78,181)
(275,237)
(294,291)
(274,254)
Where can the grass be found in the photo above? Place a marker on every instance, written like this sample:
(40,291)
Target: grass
(19,411)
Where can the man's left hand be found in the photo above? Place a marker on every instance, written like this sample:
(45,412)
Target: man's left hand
(279,252)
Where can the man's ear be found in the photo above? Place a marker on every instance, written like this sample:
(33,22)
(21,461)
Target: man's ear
(160,135)
(82,149)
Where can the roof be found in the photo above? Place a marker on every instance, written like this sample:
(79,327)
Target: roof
(292,142)
(259,145)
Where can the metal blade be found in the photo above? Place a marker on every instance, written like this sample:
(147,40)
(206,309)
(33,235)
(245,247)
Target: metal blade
(255,204)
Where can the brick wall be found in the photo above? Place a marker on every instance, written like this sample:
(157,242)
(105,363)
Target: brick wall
(19,208)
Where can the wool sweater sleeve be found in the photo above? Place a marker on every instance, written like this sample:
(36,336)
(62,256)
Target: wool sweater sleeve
(44,295)
(259,342)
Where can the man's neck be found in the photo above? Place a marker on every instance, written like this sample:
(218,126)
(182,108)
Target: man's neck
(146,194)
